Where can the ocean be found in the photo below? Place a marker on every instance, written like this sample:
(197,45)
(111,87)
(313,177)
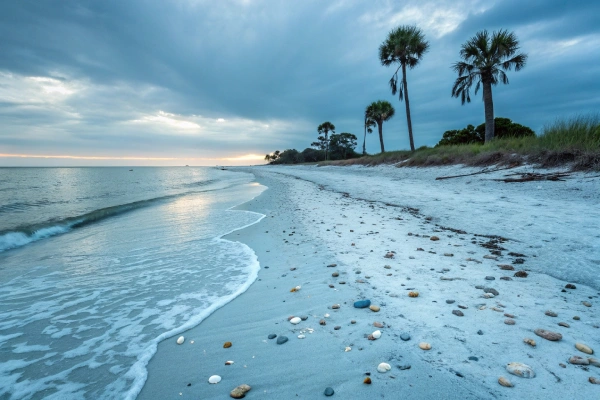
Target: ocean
(98,265)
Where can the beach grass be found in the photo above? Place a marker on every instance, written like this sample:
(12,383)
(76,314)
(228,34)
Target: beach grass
(573,142)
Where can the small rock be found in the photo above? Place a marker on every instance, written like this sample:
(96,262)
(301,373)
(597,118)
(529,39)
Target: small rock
(282,339)
(551,313)
(584,348)
(521,274)
(458,313)
(564,324)
(335,274)
(227,345)
(362,303)
(389,255)
(570,286)
(473,358)
(387,266)
(519,369)
(272,336)
(180,340)
(506,267)
(489,278)
(347,349)
(509,321)
(413,294)
(506,278)
(240,391)
(337,328)
(576,318)
(353,322)
(376,334)
(332,265)
(304,317)
(463,307)
(214,379)
(594,361)
(374,308)
(378,324)
(593,380)
(295,320)
(228,362)
(434,238)
(480,332)
(562,365)
(367,381)
(322,322)
(492,291)
(509,315)
(335,306)
(548,335)
(504,382)
(301,336)
(530,342)
(449,301)
(448,255)
(405,336)
(586,303)
(576,360)
(384,367)
(404,367)
(424,346)
(328,391)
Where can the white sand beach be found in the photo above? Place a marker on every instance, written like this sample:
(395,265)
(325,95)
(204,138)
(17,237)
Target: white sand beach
(344,234)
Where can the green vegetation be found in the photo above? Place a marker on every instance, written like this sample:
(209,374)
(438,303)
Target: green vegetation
(485,58)
(323,139)
(503,127)
(405,45)
(380,111)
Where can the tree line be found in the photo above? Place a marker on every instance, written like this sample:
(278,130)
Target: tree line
(485,59)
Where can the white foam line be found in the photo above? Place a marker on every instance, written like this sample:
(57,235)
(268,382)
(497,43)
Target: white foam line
(138,372)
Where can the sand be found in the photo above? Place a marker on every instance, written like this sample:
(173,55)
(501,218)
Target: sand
(354,217)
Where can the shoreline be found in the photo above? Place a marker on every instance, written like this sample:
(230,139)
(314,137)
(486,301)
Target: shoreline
(310,228)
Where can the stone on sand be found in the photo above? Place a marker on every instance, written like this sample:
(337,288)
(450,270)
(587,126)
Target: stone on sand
(240,391)
(520,369)
(548,335)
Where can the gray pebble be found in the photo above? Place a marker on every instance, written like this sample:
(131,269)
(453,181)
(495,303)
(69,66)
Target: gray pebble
(480,332)
(282,339)
(404,367)
(458,313)
(449,301)
(329,391)
(473,358)
(491,290)
(490,278)
(404,336)
(272,336)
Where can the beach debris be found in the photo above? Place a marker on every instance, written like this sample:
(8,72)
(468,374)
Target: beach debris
(413,294)
(296,320)
(180,340)
(367,381)
(483,171)
(328,391)
(586,303)
(335,306)
(551,313)
(347,349)
(504,382)
(405,336)
(240,391)
(576,360)
(593,380)
(227,345)
(548,335)
(282,339)
(272,336)
(424,346)
(530,342)
(362,303)
(374,308)
(506,267)
(295,289)
(509,321)
(521,274)
(520,369)
(570,286)
(458,313)
(535,176)
(214,379)
(584,348)
(322,322)
(384,367)
(229,362)
(564,324)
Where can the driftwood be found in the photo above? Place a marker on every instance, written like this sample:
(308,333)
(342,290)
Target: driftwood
(484,171)
(532,176)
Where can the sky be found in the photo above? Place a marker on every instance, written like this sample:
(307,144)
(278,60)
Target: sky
(205,82)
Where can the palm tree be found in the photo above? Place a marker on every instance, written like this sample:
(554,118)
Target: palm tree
(380,111)
(324,129)
(485,60)
(404,45)
(369,123)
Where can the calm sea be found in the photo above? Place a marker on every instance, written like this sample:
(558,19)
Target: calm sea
(98,265)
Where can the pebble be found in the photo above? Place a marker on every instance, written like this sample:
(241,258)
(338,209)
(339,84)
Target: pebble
(384,367)
(551,313)
(227,345)
(564,324)
(282,339)
(424,346)
(576,318)
(492,291)
(413,294)
(586,303)
(506,267)
(332,265)
(301,336)
(576,360)
(530,342)
(594,361)
(214,379)
(458,313)
(353,322)
(509,321)
(504,382)
(521,274)
(506,278)
(335,274)
(584,348)
(450,301)
(337,328)
(387,266)
(548,335)
(240,391)
(322,322)
(480,332)
(570,286)
(228,362)
(473,358)
(434,238)
(272,336)
(335,306)
(326,315)
(378,324)
(463,307)
(593,380)
(295,320)
(376,334)
(180,340)
(374,308)
(507,315)
(405,336)
(362,303)
(490,278)
(519,369)
(347,349)
(404,367)
(328,391)
(304,317)
(367,381)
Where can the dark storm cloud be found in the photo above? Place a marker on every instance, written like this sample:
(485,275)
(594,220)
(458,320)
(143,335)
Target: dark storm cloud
(290,65)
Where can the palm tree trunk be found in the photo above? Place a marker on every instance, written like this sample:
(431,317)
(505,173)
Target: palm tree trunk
(488,104)
(326,147)
(408,120)
(380,126)
(365,140)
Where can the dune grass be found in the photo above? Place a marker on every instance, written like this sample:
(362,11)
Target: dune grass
(571,142)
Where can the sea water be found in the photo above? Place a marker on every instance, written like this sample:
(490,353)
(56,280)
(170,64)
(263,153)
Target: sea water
(98,265)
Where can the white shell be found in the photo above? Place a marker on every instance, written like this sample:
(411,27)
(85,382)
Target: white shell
(298,287)
(301,336)
(326,315)
(180,340)
(376,334)
(296,320)
(347,349)
(214,379)
(384,367)
(519,369)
